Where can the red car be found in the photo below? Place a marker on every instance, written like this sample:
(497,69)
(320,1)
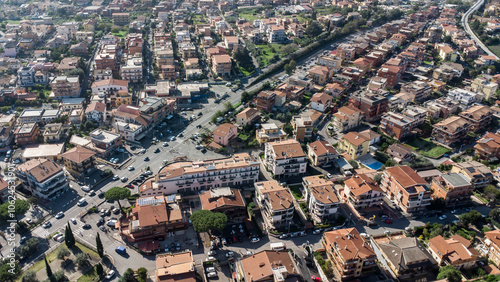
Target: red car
(388,221)
(129,186)
(316,278)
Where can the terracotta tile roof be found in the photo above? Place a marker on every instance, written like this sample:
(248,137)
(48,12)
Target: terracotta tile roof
(476,112)
(405,176)
(110,81)
(321,98)
(361,184)
(175,264)
(211,201)
(224,129)
(286,149)
(96,106)
(321,148)
(3,184)
(222,59)
(247,113)
(260,266)
(349,110)
(158,213)
(354,138)
(78,154)
(321,189)
(350,244)
(41,169)
(452,124)
(456,249)
(279,197)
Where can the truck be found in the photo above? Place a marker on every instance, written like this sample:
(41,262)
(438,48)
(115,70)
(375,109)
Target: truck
(278,246)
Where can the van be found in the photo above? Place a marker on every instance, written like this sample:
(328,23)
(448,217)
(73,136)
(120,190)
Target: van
(82,202)
(278,246)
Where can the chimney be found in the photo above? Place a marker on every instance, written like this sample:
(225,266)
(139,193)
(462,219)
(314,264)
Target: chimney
(345,247)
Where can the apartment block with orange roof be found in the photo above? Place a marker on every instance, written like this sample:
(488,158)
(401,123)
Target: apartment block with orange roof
(268,266)
(320,74)
(285,158)
(488,147)
(178,267)
(321,197)
(450,130)
(350,253)
(44,178)
(360,192)
(492,242)
(221,65)
(406,188)
(456,251)
(453,187)
(225,200)
(224,133)
(479,117)
(275,202)
(321,153)
(346,118)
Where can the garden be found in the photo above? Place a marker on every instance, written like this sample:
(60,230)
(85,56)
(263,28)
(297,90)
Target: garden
(427,148)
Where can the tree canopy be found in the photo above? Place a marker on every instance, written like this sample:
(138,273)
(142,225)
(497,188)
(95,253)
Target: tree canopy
(449,272)
(117,194)
(204,221)
(472,217)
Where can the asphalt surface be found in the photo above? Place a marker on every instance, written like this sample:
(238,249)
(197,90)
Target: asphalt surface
(465,23)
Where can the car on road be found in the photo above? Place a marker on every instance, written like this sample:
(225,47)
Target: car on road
(317,231)
(100,221)
(165,144)
(212,274)
(59,215)
(116,211)
(388,221)
(443,217)
(100,194)
(198,146)
(294,234)
(146,159)
(283,236)
(210,259)
(211,253)
(124,179)
(47,224)
(116,161)
(23,239)
(130,168)
(85,188)
(229,254)
(116,177)
(172,138)
(315,278)
(255,240)
(73,220)
(92,193)
(303,233)
(129,186)
(86,226)
(29,221)
(142,151)
(157,150)
(110,274)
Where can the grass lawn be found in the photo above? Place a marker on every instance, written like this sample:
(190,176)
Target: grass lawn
(495,49)
(480,197)
(199,19)
(243,136)
(427,62)
(267,54)
(295,189)
(249,17)
(245,72)
(427,148)
(121,34)
(90,276)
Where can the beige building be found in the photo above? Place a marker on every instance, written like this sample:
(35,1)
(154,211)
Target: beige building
(321,153)
(285,158)
(478,174)
(276,204)
(270,132)
(65,86)
(52,132)
(322,200)
(346,119)
(221,65)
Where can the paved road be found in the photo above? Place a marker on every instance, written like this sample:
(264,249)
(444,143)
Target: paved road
(465,23)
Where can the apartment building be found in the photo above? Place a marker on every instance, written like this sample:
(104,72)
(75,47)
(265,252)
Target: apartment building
(419,89)
(346,52)
(334,63)
(109,86)
(397,125)
(321,102)
(265,101)
(456,251)
(26,133)
(285,158)
(400,153)
(321,153)
(177,266)
(240,170)
(44,178)
(465,97)
(346,119)
(357,144)
(322,200)
(96,112)
(276,204)
(269,132)
(65,87)
(391,73)
(276,34)
(103,142)
(78,160)
(453,187)
(406,188)
(351,255)
(268,265)
(450,130)
(302,127)
(152,218)
(121,19)
(132,69)
(247,116)
(221,65)
(227,201)
(104,61)
(488,147)
(479,117)
(484,85)
(26,76)
(361,192)
(224,133)
(478,174)
(372,106)
(320,74)
(52,132)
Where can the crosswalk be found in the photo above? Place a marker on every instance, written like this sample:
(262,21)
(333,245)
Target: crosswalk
(40,232)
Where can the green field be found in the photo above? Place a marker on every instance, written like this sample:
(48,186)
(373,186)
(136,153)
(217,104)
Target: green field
(121,34)
(249,17)
(199,19)
(266,53)
(495,49)
(427,148)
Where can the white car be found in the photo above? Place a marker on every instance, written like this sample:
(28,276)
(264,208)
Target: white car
(172,138)
(254,240)
(110,274)
(210,259)
(210,269)
(130,168)
(116,177)
(317,231)
(211,253)
(229,254)
(212,274)
(443,217)
(59,215)
(73,220)
(165,144)
(85,188)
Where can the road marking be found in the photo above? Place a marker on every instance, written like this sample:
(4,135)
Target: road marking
(41,232)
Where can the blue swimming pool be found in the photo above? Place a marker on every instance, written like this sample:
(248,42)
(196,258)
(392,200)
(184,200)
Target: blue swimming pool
(375,165)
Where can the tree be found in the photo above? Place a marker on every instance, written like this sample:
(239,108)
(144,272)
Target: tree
(449,272)
(205,220)
(143,274)
(59,276)
(115,30)
(288,129)
(377,178)
(82,260)
(438,204)
(128,276)
(228,106)
(290,67)
(472,217)
(32,201)
(491,192)
(30,276)
(62,253)
(313,29)
(117,194)
(69,238)
(48,269)
(100,249)
(21,206)
(99,270)
(245,97)
(494,214)
(354,164)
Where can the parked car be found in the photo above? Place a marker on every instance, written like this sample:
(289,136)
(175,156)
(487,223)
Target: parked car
(165,144)
(101,194)
(59,215)
(315,278)
(211,253)
(210,269)
(86,226)
(229,254)
(388,221)
(317,231)
(47,224)
(73,220)
(129,186)
(212,274)
(146,159)
(116,177)
(130,168)
(124,179)
(110,274)
(157,150)
(85,188)
(443,217)
(255,240)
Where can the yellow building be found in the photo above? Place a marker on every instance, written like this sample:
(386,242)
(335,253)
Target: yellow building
(357,144)
(123,97)
(269,132)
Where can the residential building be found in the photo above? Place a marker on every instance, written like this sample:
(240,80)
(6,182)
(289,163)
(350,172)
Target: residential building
(224,133)
(104,61)
(276,204)
(240,170)
(479,117)
(302,127)
(391,73)
(132,69)
(53,132)
(400,153)
(453,187)
(78,160)
(176,266)
(268,266)
(96,112)
(43,151)
(109,86)
(361,192)
(26,76)
(372,106)
(446,52)
(26,133)
(396,125)
(221,65)
(321,153)
(346,119)
(406,188)
(104,142)
(447,71)
(463,96)
(351,255)
(357,144)
(320,74)
(265,101)
(403,257)
(227,201)
(247,116)
(285,158)
(450,130)
(488,147)
(419,89)
(130,131)
(334,63)
(456,251)
(121,18)
(478,174)
(276,34)
(269,132)
(322,200)
(44,178)
(152,218)
(321,102)
(31,116)
(65,87)
(485,85)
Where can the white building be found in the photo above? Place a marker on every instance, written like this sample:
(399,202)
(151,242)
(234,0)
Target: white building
(285,158)
(43,178)
(132,69)
(25,76)
(322,200)
(463,96)
(276,204)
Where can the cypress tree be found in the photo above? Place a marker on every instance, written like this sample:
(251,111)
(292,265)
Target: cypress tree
(100,249)
(48,269)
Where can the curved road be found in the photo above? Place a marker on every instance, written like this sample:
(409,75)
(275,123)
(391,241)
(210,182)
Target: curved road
(465,24)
